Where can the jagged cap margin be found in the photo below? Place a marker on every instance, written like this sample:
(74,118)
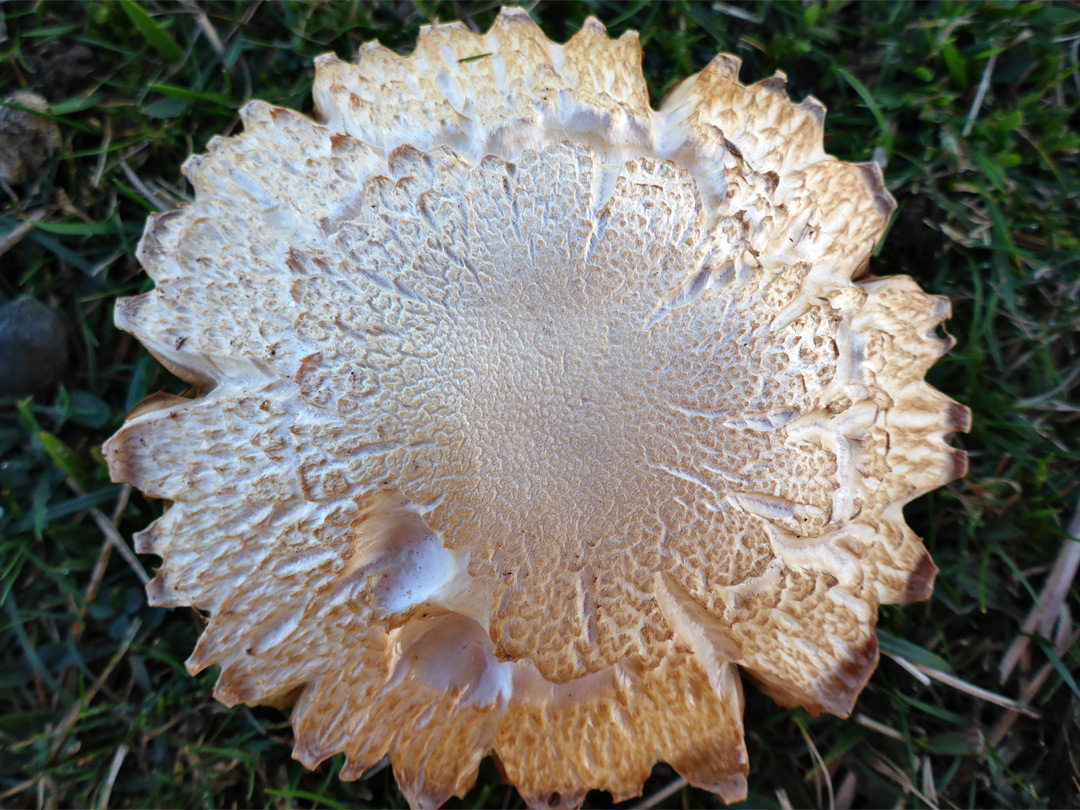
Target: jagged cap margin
(513,89)
(775,201)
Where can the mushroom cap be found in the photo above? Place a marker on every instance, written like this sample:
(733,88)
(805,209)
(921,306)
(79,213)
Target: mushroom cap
(530,415)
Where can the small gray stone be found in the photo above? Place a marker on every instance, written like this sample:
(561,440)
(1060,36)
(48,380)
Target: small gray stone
(33,347)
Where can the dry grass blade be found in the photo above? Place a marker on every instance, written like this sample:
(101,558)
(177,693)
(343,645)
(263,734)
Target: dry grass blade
(60,733)
(106,139)
(980,94)
(928,786)
(121,503)
(19,788)
(895,774)
(114,770)
(12,237)
(1074,53)
(822,770)
(108,528)
(738,13)
(880,728)
(845,795)
(205,26)
(97,574)
(1048,607)
(657,798)
(970,688)
(141,186)
(102,562)
(1001,728)
(911,669)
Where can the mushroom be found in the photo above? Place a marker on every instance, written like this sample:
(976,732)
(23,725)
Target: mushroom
(529,417)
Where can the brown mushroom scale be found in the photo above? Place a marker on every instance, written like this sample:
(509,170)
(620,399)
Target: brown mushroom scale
(529,415)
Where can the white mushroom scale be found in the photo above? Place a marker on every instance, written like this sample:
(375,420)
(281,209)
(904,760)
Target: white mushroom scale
(528,418)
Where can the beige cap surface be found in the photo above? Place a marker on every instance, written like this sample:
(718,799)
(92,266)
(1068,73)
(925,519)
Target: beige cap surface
(531,416)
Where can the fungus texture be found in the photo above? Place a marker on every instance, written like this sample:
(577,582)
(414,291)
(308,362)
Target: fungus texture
(529,416)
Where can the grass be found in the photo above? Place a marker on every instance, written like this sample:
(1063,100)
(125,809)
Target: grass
(971,109)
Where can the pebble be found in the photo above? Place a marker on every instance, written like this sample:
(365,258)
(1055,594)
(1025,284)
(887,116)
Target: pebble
(33,348)
(26,140)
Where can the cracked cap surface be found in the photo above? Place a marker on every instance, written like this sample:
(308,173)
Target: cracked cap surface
(531,415)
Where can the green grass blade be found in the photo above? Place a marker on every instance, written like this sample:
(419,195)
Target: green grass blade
(156,36)
(866,96)
(64,457)
(912,652)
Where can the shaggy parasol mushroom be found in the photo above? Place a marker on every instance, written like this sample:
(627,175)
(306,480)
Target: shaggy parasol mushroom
(530,415)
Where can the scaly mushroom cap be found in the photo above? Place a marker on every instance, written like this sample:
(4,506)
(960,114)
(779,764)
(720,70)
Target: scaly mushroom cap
(530,413)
